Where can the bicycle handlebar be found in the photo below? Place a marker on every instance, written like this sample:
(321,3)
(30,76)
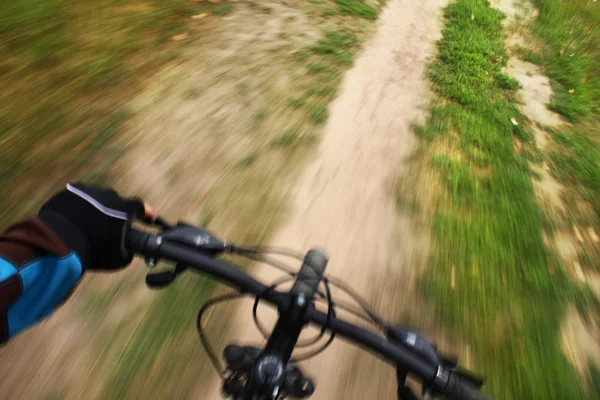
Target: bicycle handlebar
(440,380)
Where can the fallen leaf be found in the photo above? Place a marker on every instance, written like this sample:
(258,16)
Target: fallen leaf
(578,234)
(579,271)
(593,235)
(514,121)
(181,36)
(472,17)
(200,16)
(487,73)
(571,90)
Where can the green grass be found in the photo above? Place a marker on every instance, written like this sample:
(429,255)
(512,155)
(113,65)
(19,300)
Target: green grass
(325,62)
(509,293)
(259,116)
(357,8)
(247,161)
(295,102)
(222,10)
(337,45)
(289,138)
(68,67)
(172,319)
(595,382)
(317,68)
(318,115)
(570,55)
(322,91)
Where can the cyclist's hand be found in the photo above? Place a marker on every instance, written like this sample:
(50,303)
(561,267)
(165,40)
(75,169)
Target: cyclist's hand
(92,221)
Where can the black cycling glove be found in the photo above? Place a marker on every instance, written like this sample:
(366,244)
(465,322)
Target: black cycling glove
(92,221)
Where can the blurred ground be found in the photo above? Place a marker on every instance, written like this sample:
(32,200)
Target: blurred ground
(215,137)
(219,114)
(343,200)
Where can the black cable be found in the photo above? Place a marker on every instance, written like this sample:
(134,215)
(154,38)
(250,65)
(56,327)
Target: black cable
(257,323)
(330,315)
(360,301)
(370,317)
(203,339)
(243,250)
(359,313)
(310,342)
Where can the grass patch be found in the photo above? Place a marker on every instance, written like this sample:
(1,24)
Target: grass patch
(259,116)
(322,92)
(247,161)
(329,12)
(570,55)
(222,10)
(357,8)
(192,93)
(594,390)
(317,68)
(509,292)
(337,45)
(173,321)
(318,115)
(295,102)
(289,138)
(67,69)
(324,62)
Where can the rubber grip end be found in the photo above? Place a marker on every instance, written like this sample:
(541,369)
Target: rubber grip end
(311,273)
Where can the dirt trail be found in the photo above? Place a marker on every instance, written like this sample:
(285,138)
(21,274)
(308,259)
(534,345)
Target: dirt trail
(343,201)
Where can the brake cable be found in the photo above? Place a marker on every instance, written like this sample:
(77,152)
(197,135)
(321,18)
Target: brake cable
(258,254)
(200,329)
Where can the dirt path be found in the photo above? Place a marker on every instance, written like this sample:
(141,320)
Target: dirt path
(343,201)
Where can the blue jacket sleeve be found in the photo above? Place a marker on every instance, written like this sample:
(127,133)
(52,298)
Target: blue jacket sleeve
(37,273)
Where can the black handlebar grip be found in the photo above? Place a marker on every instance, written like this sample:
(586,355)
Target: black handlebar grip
(310,275)
(135,241)
(459,390)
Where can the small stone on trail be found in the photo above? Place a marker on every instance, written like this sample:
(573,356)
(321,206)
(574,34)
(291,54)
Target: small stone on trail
(579,271)
(578,234)
(181,36)
(200,16)
(593,235)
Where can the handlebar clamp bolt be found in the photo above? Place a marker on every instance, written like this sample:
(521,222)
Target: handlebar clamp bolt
(150,262)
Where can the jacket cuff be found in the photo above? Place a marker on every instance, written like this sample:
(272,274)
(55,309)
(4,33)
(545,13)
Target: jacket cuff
(71,235)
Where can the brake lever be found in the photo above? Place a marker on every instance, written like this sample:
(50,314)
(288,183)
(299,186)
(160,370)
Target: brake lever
(193,236)
(159,280)
(156,221)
